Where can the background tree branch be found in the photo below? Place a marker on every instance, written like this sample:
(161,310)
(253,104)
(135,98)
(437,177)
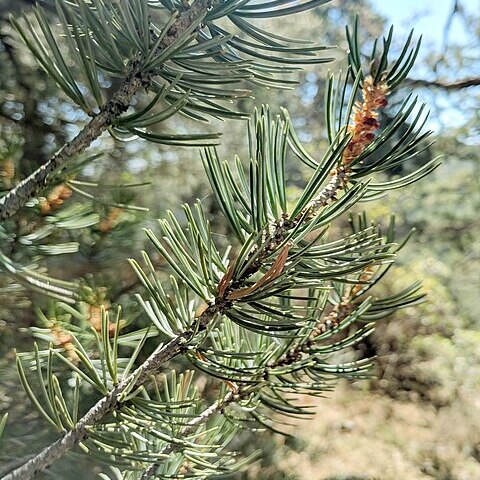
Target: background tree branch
(444,85)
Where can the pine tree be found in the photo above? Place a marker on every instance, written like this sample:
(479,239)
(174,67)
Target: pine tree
(271,316)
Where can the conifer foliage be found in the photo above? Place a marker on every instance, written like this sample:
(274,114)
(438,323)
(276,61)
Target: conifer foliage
(273,316)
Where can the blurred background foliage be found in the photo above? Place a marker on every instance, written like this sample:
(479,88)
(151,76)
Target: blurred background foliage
(415,419)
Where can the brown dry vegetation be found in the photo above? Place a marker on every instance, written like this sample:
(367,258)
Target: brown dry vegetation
(358,435)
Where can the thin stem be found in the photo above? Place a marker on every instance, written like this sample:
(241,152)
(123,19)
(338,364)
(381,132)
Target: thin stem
(214,408)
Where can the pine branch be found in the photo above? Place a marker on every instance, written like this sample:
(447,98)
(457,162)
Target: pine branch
(13,201)
(165,353)
(361,128)
(41,178)
(276,253)
(110,402)
(338,313)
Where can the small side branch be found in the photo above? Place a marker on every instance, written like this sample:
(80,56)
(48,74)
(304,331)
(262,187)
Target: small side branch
(190,427)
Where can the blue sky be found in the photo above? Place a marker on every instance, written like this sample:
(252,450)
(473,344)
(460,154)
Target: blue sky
(426,16)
